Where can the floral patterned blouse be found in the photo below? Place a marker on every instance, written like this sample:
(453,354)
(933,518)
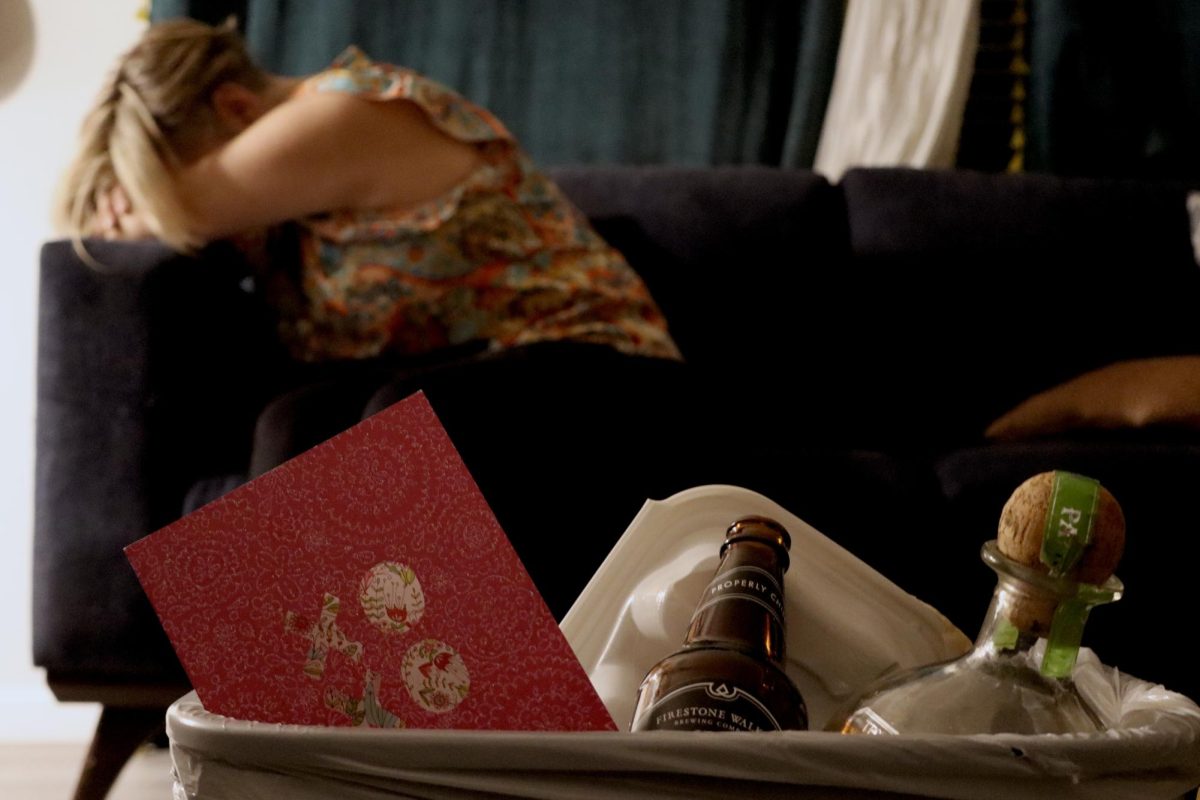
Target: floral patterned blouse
(503,258)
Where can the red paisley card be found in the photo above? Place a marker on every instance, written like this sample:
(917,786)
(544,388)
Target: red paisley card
(365,582)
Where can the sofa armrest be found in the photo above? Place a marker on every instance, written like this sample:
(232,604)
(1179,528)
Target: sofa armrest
(147,374)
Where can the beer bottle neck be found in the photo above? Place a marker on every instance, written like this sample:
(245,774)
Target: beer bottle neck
(742,607)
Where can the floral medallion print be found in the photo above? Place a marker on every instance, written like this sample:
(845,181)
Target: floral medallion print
(436,676)
(391,597)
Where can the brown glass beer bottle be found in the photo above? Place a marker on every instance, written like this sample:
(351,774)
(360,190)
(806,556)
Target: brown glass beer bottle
(728,676)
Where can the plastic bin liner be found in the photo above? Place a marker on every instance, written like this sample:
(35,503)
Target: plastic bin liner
(846,626)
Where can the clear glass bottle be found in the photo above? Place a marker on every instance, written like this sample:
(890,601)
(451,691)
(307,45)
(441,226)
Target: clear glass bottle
(1007,683)
(729,676)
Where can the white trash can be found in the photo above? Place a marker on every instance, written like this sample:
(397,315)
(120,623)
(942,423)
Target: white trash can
(846,625)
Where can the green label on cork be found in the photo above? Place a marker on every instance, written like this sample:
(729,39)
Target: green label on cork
(1066,633)
(1069,521)
(1006,635)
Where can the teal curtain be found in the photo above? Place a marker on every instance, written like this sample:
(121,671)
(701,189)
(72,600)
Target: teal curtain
(687,82)
(1114,88)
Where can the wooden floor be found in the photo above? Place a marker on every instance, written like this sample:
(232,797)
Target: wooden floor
(49,772)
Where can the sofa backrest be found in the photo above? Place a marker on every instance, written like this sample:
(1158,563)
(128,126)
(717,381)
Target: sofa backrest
(733,255)
(740,259)
(913,306)
(982,289)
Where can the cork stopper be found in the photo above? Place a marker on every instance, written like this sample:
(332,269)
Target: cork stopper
(1021,533)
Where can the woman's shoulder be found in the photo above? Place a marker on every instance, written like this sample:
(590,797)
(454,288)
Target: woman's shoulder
(354,73)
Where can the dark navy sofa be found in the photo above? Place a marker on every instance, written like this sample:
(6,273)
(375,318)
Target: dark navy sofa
(847,344)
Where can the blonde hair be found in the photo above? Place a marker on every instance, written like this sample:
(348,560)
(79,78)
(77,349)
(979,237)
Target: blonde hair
(152,115)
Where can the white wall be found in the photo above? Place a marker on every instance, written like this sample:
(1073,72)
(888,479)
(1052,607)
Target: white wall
(44,91)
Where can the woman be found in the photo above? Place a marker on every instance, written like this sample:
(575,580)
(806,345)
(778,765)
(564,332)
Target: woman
(423,232)
(421,223)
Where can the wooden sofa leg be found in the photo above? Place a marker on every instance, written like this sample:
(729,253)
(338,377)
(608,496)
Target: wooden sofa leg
(119,733)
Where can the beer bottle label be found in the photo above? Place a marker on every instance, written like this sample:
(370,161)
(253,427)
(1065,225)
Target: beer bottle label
(708,706)
(752,584)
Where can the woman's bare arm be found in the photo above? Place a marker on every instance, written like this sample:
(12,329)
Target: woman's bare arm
(322,152)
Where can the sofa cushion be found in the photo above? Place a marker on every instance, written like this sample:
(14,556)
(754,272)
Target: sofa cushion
(952,213)
(1129,394)
(977,290)
(737,257)
(741,260)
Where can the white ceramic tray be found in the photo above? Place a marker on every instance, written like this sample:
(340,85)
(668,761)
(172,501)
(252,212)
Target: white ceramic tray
(846,624)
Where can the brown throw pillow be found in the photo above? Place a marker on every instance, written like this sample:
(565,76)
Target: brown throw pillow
(1128,394)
